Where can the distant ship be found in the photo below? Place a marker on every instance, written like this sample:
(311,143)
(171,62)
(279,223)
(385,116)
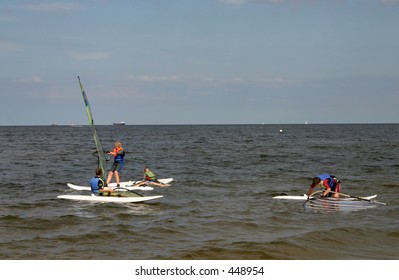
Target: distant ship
(119,123)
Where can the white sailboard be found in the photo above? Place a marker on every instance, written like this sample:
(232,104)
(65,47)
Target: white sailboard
(113,199)
(330,205)
(305,197)
(129,185)
(291,197)
(124,185)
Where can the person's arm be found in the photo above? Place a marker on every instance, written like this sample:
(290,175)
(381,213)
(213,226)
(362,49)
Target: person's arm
(112,153)
(311,188)
(328,189)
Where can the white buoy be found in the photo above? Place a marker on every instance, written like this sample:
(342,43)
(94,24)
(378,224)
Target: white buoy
(281,131)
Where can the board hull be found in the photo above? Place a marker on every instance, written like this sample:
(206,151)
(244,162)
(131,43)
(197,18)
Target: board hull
(113,199)
(291,197)
(305,197)
(338,205)
(127,185)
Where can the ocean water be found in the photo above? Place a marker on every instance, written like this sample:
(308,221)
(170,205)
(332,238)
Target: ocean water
(220,205)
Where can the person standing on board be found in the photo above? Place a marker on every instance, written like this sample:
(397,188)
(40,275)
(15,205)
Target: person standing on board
(331,185)
(97,184)
(119,159)
(151,179)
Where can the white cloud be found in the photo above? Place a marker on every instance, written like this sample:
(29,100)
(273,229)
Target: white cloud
(242,2)
(151,78)
(389,2)
(7,46)
(88,55)
(36,79)
(278,82)
(50,7)
(271,82)
(7,19)
(271,1)
(234,2)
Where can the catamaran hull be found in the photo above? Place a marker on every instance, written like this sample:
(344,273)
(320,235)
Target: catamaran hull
(113,199)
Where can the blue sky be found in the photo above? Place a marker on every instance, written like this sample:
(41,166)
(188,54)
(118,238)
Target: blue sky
(199,62)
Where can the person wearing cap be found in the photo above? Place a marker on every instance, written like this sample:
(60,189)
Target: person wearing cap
(330,184)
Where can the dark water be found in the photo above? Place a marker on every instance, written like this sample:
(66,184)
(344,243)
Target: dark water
(220,205)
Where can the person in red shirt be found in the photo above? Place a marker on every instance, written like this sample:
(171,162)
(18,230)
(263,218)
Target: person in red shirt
(330,184)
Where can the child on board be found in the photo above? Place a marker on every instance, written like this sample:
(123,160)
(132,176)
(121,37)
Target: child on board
(330,184)
(119,159)
(97,184)
(151,179)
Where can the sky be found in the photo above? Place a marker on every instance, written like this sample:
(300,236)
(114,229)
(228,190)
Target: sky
(199,62)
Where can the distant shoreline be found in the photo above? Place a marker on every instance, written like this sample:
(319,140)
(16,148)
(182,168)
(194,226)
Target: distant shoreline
(205,124)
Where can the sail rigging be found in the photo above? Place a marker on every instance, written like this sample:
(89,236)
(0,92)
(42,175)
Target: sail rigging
(100,152)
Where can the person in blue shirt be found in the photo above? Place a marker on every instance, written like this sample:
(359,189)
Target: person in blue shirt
(330,184)
(119,159)
(97,184)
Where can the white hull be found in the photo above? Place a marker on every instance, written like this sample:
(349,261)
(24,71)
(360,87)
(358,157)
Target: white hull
(131,183)
(122,185)
(339,204)
(113,199)
(291,197)
(305,197)
(127,185)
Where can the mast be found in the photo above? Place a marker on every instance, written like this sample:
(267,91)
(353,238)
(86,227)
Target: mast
(100,152)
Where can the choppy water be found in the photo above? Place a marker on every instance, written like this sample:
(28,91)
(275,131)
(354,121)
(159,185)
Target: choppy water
(220,205)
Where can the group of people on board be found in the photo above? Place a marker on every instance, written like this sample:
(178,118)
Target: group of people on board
(99,187)
(329,184)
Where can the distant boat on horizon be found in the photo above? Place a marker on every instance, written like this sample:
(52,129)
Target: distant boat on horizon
(119,123)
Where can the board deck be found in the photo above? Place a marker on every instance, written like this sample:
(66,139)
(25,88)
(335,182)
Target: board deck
(337,205)
(114,199)
(127,185)
(131,183)
(291,197)
(305,197)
